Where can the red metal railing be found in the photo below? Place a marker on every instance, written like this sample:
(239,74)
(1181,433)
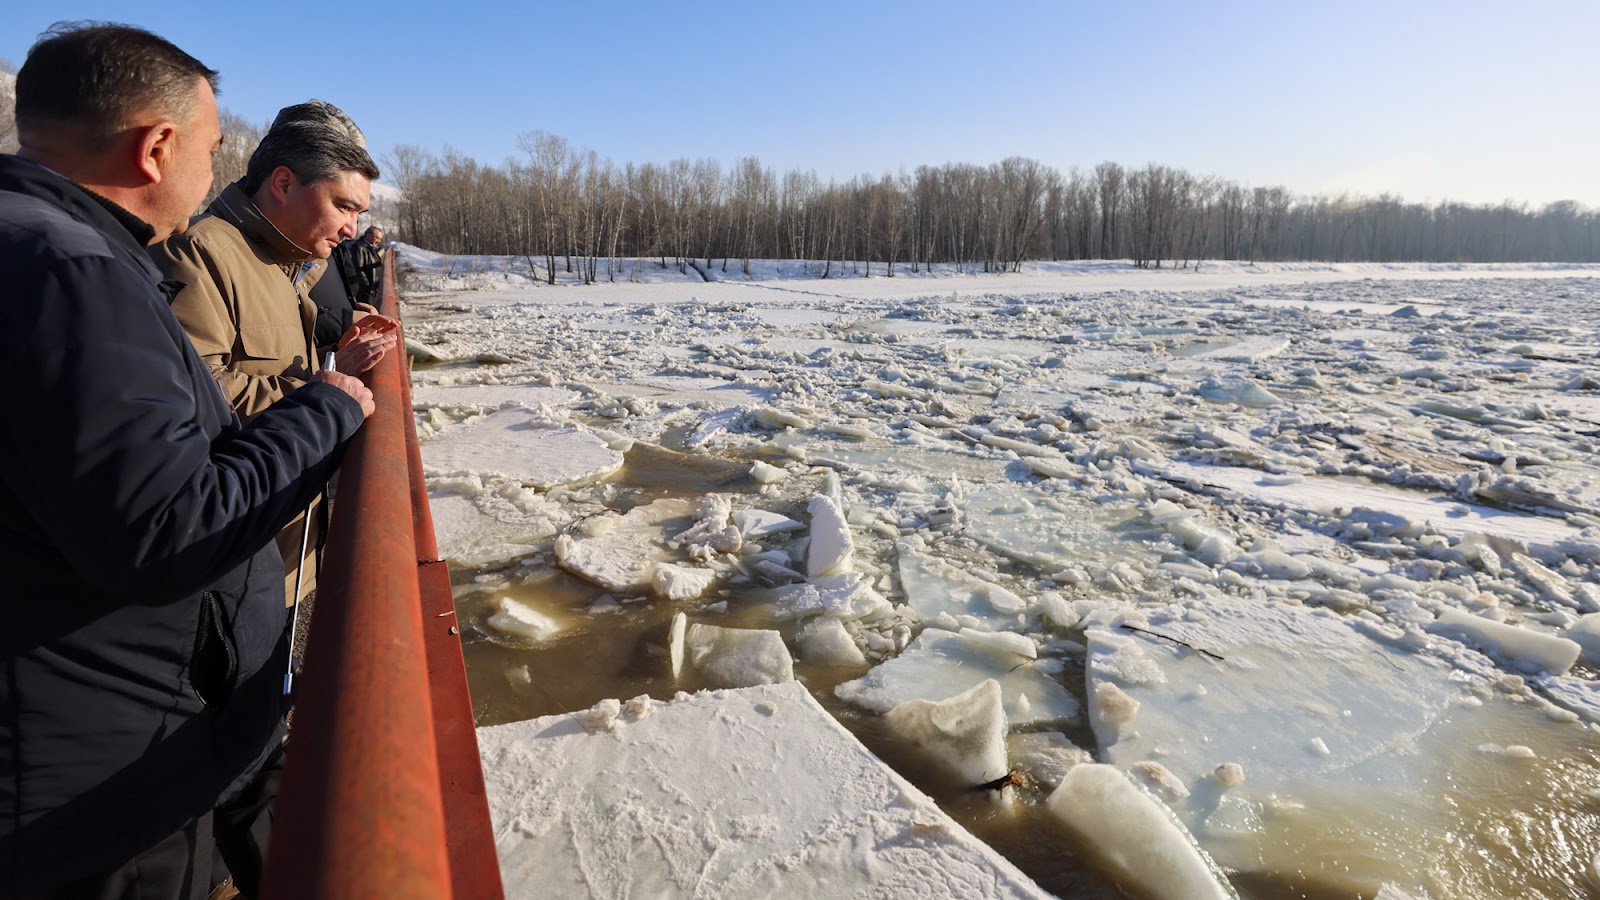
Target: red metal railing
(383,792)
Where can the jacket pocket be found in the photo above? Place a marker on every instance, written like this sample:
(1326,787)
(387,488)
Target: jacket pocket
(215,661)
(274,341)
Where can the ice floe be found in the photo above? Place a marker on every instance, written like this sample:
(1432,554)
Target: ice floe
(941,664)
(586,804)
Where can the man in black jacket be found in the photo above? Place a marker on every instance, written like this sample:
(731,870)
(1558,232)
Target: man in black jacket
(354,281)
(367,256)
(145,636)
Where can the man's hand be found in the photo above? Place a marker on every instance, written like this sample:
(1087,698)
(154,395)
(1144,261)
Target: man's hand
(362,310)
(350,385)
(365,343)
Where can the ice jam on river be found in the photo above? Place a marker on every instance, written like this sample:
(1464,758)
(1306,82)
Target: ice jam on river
(1246,581)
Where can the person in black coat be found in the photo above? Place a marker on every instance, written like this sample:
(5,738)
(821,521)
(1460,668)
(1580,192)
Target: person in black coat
(353,283)
(145,637)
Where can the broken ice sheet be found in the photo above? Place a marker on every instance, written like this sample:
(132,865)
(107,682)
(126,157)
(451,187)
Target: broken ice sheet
(512,444)
(738,657)
(522,621)
(845,596)
(899,459)
(620,553)
(1051,530)
(1233,389)
(1135,835)
(940,664)
(1314,712)
(469,537)
(933,587)
(1288,675)
(964,736)
(528,396)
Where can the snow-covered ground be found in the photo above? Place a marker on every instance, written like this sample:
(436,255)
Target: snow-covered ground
(1307,552)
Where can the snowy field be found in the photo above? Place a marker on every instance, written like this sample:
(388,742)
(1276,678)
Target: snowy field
(1308,555)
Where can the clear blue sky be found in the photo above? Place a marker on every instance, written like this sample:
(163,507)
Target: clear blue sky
(1463,99)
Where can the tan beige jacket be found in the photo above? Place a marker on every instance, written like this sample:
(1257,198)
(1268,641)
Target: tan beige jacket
(246,309)
(244,303)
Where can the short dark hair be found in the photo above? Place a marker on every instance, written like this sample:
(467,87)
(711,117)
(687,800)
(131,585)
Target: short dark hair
(316,140)
(96,76)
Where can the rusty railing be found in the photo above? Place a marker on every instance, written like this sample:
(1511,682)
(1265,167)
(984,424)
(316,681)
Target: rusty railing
(383,793)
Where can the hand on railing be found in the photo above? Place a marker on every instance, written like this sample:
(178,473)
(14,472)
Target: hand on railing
(350,385)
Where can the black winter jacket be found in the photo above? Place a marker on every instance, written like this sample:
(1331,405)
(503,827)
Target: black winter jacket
(334,295)
(142,630)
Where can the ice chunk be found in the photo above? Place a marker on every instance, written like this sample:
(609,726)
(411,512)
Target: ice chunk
(512,444)
(1237,390)
(1160,779)
(620,553)
(831,544)
(940,664)
(1005,641)
(675,641)
(523,621)
(933,586)
(1529,651)
(1111,708)
(1230,774)
(826,642)
(964,735)
(768,417)
(1046,756)
(845,596)
(754,523)
(1277,564)
(1210,545)
(755,793)
(738,657)
(679,582)
(1051,531)
(1135,836)
(1586,633)
(1248,350)
(711,534)
(600,717)
(765,473)
(529,396)
(468,536)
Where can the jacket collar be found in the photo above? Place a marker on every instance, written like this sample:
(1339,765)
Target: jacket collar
(234,206)
(24,176)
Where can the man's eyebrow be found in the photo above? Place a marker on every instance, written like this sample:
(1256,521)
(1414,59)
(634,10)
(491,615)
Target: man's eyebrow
(220,139)
(347,200)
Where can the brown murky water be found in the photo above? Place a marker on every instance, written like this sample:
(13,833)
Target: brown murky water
(1489,826)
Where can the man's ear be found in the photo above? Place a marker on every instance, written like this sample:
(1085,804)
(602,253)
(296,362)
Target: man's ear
(156,149)
(280,181)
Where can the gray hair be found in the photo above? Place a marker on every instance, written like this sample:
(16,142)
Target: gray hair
(97,76)
(316,141)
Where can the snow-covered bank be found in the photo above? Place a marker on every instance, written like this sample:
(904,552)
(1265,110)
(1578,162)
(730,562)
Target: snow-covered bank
(423,271)
(1309,557)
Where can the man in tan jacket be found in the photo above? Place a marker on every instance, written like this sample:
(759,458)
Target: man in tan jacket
(247,266)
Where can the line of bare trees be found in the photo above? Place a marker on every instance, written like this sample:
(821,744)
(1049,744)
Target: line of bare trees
(568,209)
(8,107)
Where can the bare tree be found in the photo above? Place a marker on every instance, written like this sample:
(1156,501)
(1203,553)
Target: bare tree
(560,203)
(8,106)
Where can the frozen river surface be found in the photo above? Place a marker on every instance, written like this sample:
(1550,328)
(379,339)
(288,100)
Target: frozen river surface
(1310,556)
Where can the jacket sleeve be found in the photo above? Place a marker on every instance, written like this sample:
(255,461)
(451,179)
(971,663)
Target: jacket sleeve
(117,470)
(208,312)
